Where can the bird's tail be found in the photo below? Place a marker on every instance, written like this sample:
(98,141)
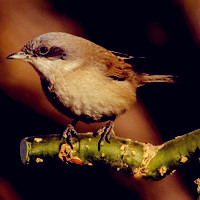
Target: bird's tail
(148,78)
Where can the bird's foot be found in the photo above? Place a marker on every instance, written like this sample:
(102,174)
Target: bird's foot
(105,133)
(69,133)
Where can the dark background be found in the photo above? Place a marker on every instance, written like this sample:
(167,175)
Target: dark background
(156,30)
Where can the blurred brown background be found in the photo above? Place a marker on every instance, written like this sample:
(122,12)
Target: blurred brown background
(165,32)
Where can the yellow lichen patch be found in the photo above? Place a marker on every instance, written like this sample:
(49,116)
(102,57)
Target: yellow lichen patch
(162,170)
(75,160)
(125,165)
(136,172)
(178,137)
(90,164)
(39,160)
(118,168)
(38,139)
(124,149)
(183,159)
(133,153)
(128,140)
(197,181)
(64,151)
(103,155)
(66,154)
(173,172)
(149,152)
(139,172)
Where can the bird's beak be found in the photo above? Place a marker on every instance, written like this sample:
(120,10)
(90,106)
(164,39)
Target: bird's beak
(19,55)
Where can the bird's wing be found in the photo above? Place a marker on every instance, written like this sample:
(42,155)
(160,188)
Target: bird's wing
(119,70)
(122,56)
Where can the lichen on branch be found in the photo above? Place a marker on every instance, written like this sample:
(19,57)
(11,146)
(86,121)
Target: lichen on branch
(141,160)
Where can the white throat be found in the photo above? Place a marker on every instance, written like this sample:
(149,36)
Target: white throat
(48,68)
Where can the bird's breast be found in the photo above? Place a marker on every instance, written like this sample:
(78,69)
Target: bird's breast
(87,92)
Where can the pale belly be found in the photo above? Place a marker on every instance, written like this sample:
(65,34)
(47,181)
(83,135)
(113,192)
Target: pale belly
(90,98)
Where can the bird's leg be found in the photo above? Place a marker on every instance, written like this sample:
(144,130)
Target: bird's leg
(105,132)
(70,132)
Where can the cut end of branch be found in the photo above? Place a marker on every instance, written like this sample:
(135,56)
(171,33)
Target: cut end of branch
(24,151)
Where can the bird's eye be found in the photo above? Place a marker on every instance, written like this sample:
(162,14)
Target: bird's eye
(43,50)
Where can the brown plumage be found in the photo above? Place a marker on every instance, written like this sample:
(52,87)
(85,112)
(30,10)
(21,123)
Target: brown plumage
(84,80)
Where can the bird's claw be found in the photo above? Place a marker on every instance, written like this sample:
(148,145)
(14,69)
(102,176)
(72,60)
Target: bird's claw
(105,133)
(69,133)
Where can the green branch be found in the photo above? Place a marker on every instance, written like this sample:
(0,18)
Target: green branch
(133,158)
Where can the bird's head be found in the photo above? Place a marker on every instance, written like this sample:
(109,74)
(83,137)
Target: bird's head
(57,50)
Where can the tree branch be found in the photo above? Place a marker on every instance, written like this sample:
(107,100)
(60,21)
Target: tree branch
(133,158)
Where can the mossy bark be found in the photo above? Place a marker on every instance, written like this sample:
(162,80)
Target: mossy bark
(133,158)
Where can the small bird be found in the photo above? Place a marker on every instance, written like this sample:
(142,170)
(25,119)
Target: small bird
(83,80)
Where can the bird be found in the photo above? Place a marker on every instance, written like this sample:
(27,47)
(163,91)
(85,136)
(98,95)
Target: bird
(84,80)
